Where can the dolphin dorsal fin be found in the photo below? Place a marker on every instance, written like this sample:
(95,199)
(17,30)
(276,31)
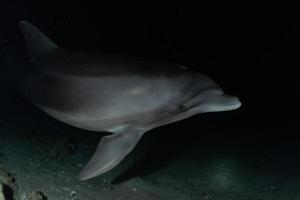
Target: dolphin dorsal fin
(36,41)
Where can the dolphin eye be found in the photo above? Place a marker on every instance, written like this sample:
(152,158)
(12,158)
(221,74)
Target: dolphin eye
(181,108)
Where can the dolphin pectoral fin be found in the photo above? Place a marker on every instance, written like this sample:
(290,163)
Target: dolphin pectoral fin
(110,152)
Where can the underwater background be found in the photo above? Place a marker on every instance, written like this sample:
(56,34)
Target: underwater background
(252,51)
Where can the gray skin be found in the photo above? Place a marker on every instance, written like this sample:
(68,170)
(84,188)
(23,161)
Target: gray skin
(124,96)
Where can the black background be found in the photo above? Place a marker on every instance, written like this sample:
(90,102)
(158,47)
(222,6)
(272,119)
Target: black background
(251,50)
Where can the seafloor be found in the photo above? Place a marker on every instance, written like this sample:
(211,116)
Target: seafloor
(41,157)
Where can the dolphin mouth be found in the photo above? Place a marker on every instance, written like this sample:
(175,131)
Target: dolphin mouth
(225,102)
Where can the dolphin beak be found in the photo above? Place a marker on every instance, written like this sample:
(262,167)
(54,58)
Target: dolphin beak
(224,102)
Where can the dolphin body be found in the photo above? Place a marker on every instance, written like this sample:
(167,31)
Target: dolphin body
(98,92)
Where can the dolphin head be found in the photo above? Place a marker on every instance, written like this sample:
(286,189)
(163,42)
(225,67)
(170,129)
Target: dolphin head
(211,100)
(200,94)
(192,93)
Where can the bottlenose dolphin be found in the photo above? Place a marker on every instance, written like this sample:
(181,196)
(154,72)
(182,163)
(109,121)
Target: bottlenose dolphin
(120,95)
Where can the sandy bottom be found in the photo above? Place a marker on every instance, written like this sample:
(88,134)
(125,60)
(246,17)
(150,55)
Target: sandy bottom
(40,159)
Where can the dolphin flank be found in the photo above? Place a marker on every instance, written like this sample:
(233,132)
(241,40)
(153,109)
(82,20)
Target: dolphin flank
(124,96)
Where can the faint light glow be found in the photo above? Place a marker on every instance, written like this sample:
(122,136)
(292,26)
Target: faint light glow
(224,173)
(222,180)
(183,67)
(138,90)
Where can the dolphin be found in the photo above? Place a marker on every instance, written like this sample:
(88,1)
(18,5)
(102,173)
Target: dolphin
(120,95)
